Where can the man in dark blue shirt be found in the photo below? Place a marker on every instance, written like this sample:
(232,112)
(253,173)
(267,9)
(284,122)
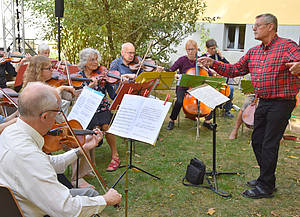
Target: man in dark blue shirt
(121,64)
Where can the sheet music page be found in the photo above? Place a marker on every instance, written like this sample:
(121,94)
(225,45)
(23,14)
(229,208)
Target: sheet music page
(208,95)
(86,106)
(139,118)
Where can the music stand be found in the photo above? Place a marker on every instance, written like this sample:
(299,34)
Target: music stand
(143,89)
(133,89)
(212,98)
(165,79)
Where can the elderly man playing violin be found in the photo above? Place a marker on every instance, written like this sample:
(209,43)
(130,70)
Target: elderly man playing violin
(31,174)
(122,64)
(276,87)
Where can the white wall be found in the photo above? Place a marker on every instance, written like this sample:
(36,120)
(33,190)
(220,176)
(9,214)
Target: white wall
(216,31)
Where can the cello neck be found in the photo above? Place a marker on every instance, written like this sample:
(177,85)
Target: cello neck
(197,68)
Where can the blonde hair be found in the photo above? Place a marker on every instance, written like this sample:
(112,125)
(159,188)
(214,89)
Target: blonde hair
(191,42)
(34,69)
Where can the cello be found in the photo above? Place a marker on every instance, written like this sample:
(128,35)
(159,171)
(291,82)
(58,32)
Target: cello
(191,107)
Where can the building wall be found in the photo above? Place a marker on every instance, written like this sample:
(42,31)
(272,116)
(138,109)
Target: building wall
(244,12)
(217,32)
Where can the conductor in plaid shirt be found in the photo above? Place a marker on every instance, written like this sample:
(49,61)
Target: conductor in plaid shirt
(272,65)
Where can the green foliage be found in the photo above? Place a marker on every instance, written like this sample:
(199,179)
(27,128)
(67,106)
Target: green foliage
(107,24)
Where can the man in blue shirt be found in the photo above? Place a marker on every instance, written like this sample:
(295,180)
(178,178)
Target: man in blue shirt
(121,64)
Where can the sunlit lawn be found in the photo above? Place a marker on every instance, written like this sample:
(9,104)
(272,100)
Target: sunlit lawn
(170,157)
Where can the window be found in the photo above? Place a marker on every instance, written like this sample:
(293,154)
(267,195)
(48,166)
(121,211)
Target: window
(234,36)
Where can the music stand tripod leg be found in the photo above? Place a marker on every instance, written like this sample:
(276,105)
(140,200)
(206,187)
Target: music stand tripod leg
(214,172)
(130,166)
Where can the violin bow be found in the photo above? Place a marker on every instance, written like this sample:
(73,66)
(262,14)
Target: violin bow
(99,178)
(8,97)
(68,72)
(147,51)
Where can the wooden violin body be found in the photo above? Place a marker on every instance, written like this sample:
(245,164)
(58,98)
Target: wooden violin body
(14,57)
(148,65)
(60,136)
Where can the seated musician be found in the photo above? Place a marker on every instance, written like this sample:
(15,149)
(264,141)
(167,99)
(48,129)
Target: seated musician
(31,174)
(214,53)
(6,67)
(183,64)
(40,69)
(6,121)
(89,63)
(44,50)
(122,63)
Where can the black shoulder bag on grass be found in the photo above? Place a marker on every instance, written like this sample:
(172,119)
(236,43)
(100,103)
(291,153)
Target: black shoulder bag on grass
(195,174)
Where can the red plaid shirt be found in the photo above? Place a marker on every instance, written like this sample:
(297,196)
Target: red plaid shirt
(270,77)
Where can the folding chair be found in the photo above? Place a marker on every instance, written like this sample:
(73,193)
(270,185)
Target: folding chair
(8,204)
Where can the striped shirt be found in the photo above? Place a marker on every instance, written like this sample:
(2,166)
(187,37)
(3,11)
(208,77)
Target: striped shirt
(270,76)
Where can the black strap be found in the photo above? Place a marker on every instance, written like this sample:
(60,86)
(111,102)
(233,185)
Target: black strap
(221,193)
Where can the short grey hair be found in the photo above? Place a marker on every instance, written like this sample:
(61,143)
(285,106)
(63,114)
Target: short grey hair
(84,56)
(35,99)
(43,46)
(269,18)
(125,45)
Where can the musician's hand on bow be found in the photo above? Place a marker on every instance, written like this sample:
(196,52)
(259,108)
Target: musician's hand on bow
(94,82)
(159,68)
(294,67)
(112,197)
(91,141)
(205,61)
(127,77)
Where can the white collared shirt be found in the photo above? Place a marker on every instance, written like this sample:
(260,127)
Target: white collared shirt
(31,174)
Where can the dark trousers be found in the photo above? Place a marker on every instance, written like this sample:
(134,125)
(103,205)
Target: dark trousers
(270,120)
(180,93)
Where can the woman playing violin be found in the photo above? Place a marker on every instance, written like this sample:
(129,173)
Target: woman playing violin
(183,64)
(40,69)
(88,63)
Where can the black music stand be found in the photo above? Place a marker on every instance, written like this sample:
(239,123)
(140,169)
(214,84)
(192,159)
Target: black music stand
(131,166)
(214,173)
(135,89)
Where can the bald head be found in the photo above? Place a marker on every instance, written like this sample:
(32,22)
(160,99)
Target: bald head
(37,98)
(128,53)
(127,45)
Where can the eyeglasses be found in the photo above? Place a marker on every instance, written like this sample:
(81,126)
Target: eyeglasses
(49,68)
(131,53)
(52,110)
(190,49)
(258,25)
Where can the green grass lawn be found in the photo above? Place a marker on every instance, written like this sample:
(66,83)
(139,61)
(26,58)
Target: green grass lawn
(170,157)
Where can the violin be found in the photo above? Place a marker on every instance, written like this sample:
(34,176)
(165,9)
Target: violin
(60,136)
(58,79)
(14,57)
(8,97)
(190,104)
(148,65)
(105,76)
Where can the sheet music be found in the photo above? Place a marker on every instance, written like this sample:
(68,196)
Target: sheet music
(208,95)
(139,118)
(86,106)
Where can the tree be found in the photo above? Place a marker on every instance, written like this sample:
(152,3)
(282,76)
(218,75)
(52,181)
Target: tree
(107,24)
